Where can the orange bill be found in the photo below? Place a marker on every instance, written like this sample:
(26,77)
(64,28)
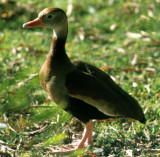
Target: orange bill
(35,23)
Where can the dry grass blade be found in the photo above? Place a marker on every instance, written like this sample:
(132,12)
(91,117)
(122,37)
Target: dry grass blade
(27,80)
(134,60)
(146,134)
(36,131)
(6,121)
(70,7)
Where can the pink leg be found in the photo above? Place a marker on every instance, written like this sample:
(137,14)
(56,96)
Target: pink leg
(90,137)
(87,135)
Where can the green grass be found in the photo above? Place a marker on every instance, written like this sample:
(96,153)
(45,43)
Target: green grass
(92,38)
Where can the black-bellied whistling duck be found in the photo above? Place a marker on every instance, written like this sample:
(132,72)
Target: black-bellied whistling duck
(80,88)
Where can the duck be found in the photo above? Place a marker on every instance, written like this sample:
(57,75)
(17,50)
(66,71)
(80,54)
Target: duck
(79,88)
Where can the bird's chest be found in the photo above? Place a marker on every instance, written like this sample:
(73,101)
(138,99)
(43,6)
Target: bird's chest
(53,82)
(55,87)
(57,90)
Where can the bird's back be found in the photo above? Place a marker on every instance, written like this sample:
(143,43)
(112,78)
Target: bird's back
(126,105)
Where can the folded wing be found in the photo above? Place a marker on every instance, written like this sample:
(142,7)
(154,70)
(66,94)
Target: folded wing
(96,88)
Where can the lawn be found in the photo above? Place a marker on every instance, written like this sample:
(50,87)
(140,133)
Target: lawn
(120,37)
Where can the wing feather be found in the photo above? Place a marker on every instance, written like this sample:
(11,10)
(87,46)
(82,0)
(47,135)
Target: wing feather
(96,88)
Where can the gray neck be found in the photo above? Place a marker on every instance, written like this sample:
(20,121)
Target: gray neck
(57,54)
(60,33)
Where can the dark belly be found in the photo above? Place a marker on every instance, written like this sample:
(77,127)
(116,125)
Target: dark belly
(83,111)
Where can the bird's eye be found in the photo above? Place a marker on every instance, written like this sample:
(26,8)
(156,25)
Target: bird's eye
(49,16)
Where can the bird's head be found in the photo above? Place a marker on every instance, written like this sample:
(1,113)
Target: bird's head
(53,18)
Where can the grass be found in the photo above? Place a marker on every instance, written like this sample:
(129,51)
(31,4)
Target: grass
(122,38)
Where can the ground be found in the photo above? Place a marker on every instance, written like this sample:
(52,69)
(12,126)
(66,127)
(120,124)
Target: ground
(120,37)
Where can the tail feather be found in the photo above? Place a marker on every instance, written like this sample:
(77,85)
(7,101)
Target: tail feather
(143,120)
